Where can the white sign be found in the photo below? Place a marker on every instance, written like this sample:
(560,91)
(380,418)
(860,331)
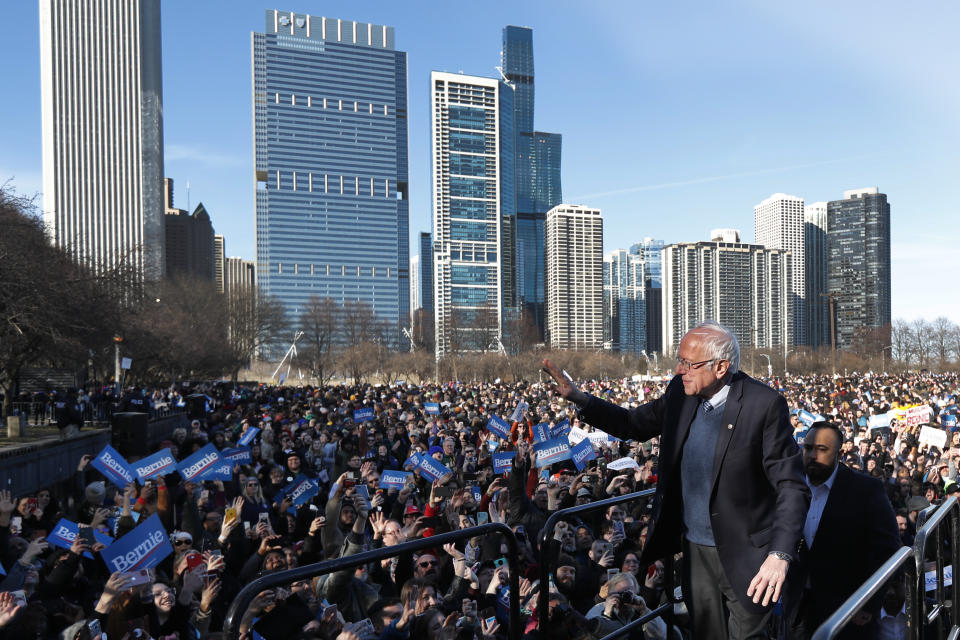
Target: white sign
(930,578)
(933,436)
(917,416)
(125,363)
(623,463)
(576,435)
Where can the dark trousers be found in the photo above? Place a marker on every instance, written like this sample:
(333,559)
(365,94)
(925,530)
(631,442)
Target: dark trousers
(715,611)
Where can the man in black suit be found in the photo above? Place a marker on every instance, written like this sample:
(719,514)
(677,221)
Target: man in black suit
(730,491)
(850,531)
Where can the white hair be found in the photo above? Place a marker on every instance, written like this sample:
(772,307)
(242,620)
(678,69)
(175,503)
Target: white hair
(718,342)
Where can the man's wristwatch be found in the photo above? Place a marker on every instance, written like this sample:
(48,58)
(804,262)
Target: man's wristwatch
(780,554)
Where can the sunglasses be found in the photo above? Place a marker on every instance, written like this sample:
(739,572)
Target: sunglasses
(427,563)
(183,542)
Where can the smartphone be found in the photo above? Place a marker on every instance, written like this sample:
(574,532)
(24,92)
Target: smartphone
(349,481)
(363,491)
(246,526)
(265,517)
(611,573)
(618,527)
(137,578)
(651,571)
(32,504)
(444,492)
(230,514)
(469,477)
(94,627)
(16,524)
(194,560)
(500,562)
(86,535)
(482,517)
(205,495)
(489,614)
(20,598)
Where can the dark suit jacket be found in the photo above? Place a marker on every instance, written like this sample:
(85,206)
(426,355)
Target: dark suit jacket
(759,499)
(857,533)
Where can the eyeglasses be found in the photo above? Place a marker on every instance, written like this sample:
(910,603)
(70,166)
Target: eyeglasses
(427,563)
(686,365)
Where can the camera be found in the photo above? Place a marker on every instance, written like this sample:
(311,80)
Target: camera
(628,597)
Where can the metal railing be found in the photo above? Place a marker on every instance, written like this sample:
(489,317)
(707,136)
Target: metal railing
(543,597)
(948,513)
(38,414)
(231,625)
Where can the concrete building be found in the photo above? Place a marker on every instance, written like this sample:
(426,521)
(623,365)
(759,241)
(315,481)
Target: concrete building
(745,287)
(239,274)
(574,277)
(815,272)
(330,154)
(472,155)
(414,285)
(219,254)
(858,266)
(102,137)
(778,223)
(624,302)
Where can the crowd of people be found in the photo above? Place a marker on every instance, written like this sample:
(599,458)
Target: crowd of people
(226,532)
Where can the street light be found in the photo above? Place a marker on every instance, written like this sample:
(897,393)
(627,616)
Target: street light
(769,365)
(786,352)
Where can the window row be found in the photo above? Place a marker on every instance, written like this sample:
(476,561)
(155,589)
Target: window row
(326,183)
(330,269)
(330,103)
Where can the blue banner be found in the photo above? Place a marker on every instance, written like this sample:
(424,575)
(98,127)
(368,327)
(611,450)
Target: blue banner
(159,464)
(412,462)
(582,453)
(808,418)
(204,462)
(868,395)
(477,494)
(949,420)
(517,414)
(561,429)
(432,408)
(65,532)
(299,491)
(499,427)
(113,466)
(248,436)
(432,469)
(394,479)
(222,471)
(240,455)
(541,432)
(143,548)
(551,451)
(363,415)
(503,461)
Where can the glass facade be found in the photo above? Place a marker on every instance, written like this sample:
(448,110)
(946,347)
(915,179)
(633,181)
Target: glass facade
(651,251)
(330,129)
(624,303)
(426,271)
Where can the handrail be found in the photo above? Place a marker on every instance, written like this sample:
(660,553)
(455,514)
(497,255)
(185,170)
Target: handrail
(543,597)
(238,607)
(931,529)
(842,616)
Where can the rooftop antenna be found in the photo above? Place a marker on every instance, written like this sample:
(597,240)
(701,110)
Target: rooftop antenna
(188,196)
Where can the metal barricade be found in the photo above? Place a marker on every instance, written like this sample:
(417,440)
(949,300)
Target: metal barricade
(543,598)
(949,513)
(231,625)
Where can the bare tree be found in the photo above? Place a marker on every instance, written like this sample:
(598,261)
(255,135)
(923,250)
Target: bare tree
(254,322)
(941,330)
(921,341)
(901,340)
(320,325)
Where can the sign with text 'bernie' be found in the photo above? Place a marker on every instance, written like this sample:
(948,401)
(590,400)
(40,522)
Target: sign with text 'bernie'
(394,479)
(432,408)
(203,463)
(364,414)
(582,453)
(541,432)
(239,455)
(159,464)
(561,429)
(299,491)
(432,469)
(65,533)
(113,466)
(551,451)
(518,412)
(503,461)
(143,548)
(499,427)
(248,436)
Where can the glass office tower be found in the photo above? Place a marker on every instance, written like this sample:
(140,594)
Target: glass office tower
(330,147)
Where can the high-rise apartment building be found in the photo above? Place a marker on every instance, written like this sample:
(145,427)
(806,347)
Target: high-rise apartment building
(624,302)
(102,139)
(472,150)
(815,272)
(574,249)
(426,271)
(219,255)
(188,240)
(414,285)
(239,274)
(858,265)
(778,223)
(330,153)
(537,170)
(651,251)
(745,287)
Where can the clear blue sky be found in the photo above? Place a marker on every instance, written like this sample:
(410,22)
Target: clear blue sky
(677,117)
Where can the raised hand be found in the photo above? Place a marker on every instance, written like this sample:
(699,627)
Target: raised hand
(6,502)
(489,631)
(8,607)
(209,594)
(564,385)
(378,522)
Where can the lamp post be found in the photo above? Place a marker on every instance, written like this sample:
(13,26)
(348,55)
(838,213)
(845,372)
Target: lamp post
(786,352)
(769,365)
(117,339)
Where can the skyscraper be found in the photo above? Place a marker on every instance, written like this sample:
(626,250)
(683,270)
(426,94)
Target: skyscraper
(815,252)
(330,153)
(426,271)
(858,266)
(778,223)
(743,286)
(624,302)
(188,238)
(414,285)
(651,251)
(102,106)
(219,255)
(239,274)
(537,170)
(471,142)
(574,249)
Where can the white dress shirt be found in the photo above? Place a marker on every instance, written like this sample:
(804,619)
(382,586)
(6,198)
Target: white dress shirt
(818,500)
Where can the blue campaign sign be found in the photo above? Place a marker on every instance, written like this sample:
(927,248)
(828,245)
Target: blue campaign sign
(248,436)
(113,466)
(363,415)
(223,471)
(477,494)
(518,412)
(413,461)
(551,451)
(432,469)
(541,432)
(949,420)
(868,395)
(433,408)
(240,455)
(582,453)
(299,491)
(394,479)
(204,462)
(503,461)
(561,429)
(65,532)
(159,464)
(143,548)
(499,427)
(808,418)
